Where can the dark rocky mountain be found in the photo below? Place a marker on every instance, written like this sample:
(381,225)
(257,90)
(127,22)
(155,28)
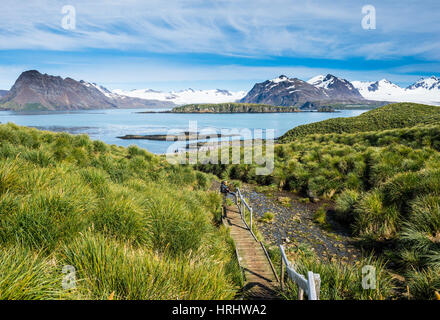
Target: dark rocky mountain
(319,91)
(336,88)
(36,91)
(3,93)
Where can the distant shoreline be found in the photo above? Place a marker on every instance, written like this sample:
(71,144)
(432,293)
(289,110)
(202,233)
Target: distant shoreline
(238,112)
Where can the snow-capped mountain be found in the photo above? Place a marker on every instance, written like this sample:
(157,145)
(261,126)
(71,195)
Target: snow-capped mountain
(134,102)
(284,91)
(316,81)
(379,90)
(101,89)
(187,96)
(432,83)
(426,90)
(320,90)
(338,87)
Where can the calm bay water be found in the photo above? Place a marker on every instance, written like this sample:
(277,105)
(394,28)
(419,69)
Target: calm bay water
(107,125)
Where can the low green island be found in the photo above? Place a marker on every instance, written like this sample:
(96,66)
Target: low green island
(241,108)
(234,107)
(265,108)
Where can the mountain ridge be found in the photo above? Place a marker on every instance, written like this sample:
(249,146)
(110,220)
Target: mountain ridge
(36,91)
(425,90)
(294,92)
(328,89)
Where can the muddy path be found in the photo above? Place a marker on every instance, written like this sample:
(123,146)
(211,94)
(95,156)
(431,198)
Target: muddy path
(293,225)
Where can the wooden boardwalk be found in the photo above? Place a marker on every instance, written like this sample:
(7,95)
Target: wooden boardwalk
(260,281)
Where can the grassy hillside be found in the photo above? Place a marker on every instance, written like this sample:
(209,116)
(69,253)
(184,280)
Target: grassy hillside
(132,226)
(231,108)
(393,116)
(385,186)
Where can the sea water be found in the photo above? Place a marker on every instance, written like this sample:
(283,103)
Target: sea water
(107,125)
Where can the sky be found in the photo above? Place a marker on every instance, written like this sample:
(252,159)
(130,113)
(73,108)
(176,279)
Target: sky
(225,44)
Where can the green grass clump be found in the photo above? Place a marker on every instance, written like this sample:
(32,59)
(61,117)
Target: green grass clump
(285,201)
(340,281)
(105,266)
(373,219)
(423,284)
(320,216)
(130,223)
(267,217)
(345,205)
(28,275)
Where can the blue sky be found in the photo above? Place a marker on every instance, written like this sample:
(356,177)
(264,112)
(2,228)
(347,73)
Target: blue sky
(228,44)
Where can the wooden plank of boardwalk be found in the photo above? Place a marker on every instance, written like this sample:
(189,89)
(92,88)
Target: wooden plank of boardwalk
(260,281)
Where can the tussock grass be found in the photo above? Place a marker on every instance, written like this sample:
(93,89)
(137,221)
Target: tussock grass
(423,284)
(129,222)
(28,275)
(397,115)
(339,281)
(345,205)
(382,170)
(320,217)
(373,219)
(267,217)
(105,266)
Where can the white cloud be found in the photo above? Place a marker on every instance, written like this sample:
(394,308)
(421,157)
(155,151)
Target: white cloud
(312,28)
(258,28)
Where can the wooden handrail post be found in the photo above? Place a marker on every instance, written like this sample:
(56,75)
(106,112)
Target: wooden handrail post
(312,286)
(300,293)
(317,279)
